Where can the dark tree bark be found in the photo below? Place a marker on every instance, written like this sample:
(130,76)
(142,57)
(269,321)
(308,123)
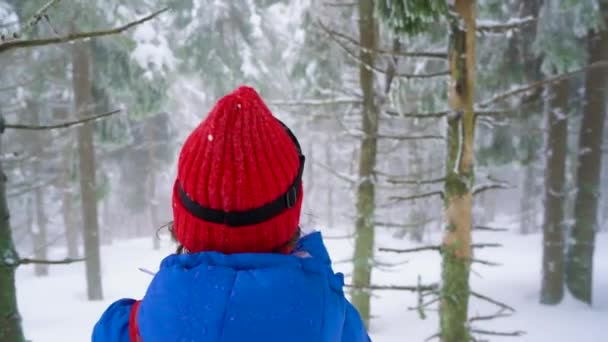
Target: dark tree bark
(552,288)
(86,152)
(456,248)
(364,242)
(10,319)
(579,263)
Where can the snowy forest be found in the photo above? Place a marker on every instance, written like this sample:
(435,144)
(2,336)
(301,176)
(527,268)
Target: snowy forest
(457,160)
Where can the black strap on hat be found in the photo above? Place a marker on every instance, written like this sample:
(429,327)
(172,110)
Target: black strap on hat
(251,216)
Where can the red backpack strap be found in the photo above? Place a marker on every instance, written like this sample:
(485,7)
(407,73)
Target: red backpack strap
(133,328)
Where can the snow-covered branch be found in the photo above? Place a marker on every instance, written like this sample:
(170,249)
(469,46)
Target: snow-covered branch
(60,125)
(29,43)
(513,24)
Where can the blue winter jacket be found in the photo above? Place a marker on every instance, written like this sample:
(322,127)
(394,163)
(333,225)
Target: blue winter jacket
(213,297)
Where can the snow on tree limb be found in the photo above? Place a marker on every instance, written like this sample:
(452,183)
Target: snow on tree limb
(60,125)
(512,24)
(29,43)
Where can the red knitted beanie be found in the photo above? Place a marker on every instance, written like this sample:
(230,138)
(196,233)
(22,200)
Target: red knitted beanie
(238,186)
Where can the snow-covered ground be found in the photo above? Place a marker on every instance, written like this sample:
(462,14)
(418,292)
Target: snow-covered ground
(55,309)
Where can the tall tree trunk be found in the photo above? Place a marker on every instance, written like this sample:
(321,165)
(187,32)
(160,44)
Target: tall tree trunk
(10,320)
(67,195)
(579,264)
(456,255)
(364,243)
(552,288)
(86,153)
(524,42)
(39,230)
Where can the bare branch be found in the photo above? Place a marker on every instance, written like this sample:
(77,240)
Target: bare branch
(493,301)
(499,314)
(418,196)
(430,115)
(316,102)
(373,67)
(398,137)
(485,245)
(20,191)
(405,137)
(339,237)
(416,181)
(490,229)
(442,113)
(432,337)
(485,187)
(439,55)
(29,43)
(38,16)
(498,333)
(61,125)
(540,83)
(346,178)
(412,250)
(431,287)
(485,262)
(512,24)
(27,261)
(402,225)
